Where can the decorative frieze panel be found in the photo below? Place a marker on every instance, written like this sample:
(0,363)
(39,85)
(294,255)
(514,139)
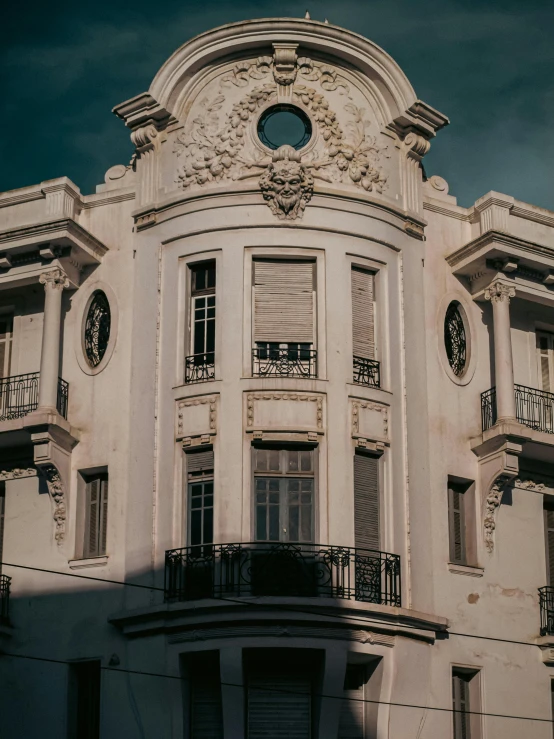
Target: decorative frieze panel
(369,423)
(285,412)
(197,419)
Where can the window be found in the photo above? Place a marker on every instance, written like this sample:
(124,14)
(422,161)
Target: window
(455,340)
(2,517)
(366,501)
(466,703)
(366,369)
(351,723)
(284,318)
(200,490)
(284,494)
(549,539)
(206,718)
(545,352)
(552,703)
(96,515)
(461,521)
(6,340)
(97,328)
(84,701)
(200,364)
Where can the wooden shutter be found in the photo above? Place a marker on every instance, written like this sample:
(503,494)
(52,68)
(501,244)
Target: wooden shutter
(200,461)
(549,521)
(284,301)
(460,700)
(93,498)
(103,517)
(366,501)
(279,707)
(363,331)
(2,517)
(351,722)
(206,712)
(456,523)
(544,348)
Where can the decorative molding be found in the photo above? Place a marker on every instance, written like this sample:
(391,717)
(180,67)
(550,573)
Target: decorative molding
(286,185)
(370,405)
(534,485)
(284,64)
(57,493)
(55,279)
(468,570)
(53,231)
(210,400)
(362,636)
(17,473)
(499,291)
(300,397)
(417,145)
(492,503)
(438,183)
(144,138)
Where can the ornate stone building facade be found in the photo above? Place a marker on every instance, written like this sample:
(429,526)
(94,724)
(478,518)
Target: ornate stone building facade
(276,419)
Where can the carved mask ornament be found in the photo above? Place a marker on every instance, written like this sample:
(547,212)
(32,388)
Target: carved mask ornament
(286,185)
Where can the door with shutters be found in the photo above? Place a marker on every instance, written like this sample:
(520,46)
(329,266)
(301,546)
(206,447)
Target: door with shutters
(549,540)
(279,706)
(96,523)
(2,517)
(366,502)
(363,313)
(352,712)
(541,411)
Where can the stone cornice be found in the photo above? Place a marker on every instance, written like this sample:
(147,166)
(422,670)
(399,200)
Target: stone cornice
(501,240)
(62,230)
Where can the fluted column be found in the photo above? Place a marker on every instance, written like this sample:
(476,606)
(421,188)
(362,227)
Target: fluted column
(499,293)
(54,281)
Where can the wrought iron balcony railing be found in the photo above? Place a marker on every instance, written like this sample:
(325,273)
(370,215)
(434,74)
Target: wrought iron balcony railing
(534,408)
(5,598)
(294,360)
(282,569)
(19,395)
(367,372)
(200,367)
(546,600)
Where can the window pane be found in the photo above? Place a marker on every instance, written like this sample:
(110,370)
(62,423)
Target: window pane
(274,460)
(274,523)
(196,527)
(294,517)
(261,526)
(208,526)
(260,460)
(306,461)
(293,461)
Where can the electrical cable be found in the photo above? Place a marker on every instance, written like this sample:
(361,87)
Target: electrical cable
(392,704)
(337,616)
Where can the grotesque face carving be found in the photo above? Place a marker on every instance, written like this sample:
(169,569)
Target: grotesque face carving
(286,185)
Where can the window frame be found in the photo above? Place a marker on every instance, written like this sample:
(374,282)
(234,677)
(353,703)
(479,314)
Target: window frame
(201,294)
(465,488)
(284,447)
(102,527)
(473,677)
(203,477)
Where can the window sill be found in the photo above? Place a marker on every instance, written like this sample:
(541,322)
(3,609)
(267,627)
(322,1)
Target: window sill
(80,564)
(469,570)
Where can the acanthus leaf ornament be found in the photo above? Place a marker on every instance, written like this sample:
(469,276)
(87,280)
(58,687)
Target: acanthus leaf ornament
(57,493)
(499,292)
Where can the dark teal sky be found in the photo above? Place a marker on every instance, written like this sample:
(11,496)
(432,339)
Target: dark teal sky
(488,65)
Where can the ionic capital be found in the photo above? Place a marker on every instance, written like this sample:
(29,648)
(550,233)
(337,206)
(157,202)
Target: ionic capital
(55,279)
(416,144)
(144,138)
(499,292)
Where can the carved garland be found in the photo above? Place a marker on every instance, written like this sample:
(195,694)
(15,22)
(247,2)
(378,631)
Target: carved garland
(17,473)
(57,493)
(373,407)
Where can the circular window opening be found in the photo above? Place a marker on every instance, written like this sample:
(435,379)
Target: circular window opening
(284,124)
(455,340)
(97,328)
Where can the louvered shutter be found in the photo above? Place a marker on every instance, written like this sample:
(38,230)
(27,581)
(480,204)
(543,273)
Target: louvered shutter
(103,517)
(2,517)
(351,722)
(545,349)
(363,331)
(93,495)
(549,515)
(456,521)
(206,712)
(200,461)
(284,302)
(279,707)
(366,501)
(460,700)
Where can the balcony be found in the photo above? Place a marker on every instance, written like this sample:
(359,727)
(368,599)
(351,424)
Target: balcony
(546,601)
(5,599)
(289,360)
(200,367)
(282,569)
(19,396)
(366,372)
(534,408)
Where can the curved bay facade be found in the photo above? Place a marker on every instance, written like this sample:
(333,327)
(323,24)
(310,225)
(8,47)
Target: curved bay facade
(292,418)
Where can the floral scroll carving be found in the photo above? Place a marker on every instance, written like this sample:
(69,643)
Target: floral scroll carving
(57,493)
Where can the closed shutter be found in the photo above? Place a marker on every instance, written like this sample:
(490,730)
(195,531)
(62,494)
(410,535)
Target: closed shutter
(544,346)
(363,331)
(284,301)
(200,461)
(93,494)
(351,723)
(206,713)
(456,523)
(279,707)
(366,501)
(103,516)
(2,517)
(460,700)
(549,515)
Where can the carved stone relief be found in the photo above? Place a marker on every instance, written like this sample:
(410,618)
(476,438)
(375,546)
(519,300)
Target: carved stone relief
(370,420)
(219,141)
(57,493)
(197,417)
(286,184)
(299,411)
(17,473)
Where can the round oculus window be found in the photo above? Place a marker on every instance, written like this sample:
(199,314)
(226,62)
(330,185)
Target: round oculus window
(284,124)
(455,340)
(97,328)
